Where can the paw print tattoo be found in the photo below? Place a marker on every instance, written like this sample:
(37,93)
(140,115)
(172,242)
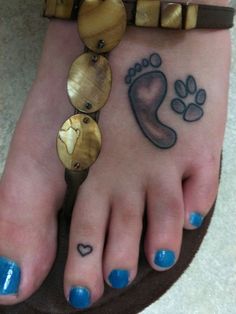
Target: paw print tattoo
(190,110)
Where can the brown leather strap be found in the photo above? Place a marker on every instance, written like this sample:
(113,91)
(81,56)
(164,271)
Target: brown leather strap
(75,9)
(209,16)
(131,11)
(215,17)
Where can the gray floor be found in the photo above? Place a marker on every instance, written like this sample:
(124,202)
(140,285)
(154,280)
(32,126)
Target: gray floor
(209,284)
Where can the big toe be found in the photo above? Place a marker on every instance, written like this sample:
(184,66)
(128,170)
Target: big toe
(28,233)
(25,259)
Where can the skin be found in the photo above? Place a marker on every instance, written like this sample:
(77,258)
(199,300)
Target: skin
(129,172)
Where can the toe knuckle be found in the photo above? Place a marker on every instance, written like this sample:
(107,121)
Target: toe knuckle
(130,215)
(175,209)
(207,160)
(90,228)
(176,206)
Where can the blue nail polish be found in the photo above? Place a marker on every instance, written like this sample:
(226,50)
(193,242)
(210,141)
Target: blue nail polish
(196,219)
(119,278)
(10,275)
(164,258)
(80,297)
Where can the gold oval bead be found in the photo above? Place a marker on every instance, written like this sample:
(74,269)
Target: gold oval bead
(102,24)
(89,82)
(79,142)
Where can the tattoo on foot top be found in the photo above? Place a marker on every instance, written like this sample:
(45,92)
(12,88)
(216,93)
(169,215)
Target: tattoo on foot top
(84,249)
(193,110)
(147,91)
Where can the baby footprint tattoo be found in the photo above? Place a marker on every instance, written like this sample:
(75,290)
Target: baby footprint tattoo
(191,111)
(147,91)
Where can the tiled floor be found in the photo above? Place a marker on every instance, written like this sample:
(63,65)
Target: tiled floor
(209,284)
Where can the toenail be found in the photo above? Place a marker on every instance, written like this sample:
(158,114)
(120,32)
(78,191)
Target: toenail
(80,297)
(119,278)
(164,258)
(196,219)
(10,274)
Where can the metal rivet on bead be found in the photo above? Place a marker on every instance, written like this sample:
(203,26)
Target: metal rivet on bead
(94,58)
(77,165)
(88,105)
(86,120)
(101,44)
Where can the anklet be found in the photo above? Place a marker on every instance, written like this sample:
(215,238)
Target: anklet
(89,83)
(155,13)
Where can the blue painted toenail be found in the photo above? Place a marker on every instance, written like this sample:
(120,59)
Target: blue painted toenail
(10,275)
(164,258)
(196,219)
(119,278)
(80,297)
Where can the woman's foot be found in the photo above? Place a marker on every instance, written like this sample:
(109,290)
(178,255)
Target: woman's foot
(168,161)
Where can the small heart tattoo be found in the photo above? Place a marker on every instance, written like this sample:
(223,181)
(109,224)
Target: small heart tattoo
(84,249)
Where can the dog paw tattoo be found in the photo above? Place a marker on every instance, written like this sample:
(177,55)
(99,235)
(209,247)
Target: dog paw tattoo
(190,100)
(147,92)
(84,250)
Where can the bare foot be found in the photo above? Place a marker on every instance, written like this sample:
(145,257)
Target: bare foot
(166,157)
(154,152)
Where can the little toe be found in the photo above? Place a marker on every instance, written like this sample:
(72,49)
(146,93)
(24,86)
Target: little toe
(122,249)
(165,217)
(200,190)
(83,279)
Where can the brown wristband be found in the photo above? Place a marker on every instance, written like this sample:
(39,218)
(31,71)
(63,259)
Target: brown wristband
(187,16)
